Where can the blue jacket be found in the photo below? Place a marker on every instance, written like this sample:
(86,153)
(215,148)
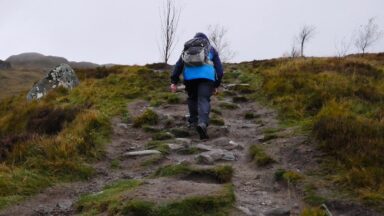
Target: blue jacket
(214,73)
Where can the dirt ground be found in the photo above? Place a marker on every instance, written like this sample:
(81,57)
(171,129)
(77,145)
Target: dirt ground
(257,192)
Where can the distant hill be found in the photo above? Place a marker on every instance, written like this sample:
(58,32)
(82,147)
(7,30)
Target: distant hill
(37,61)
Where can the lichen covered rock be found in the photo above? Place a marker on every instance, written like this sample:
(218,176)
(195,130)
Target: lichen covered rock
(62,75)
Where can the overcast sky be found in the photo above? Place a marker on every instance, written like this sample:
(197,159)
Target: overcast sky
(127,31)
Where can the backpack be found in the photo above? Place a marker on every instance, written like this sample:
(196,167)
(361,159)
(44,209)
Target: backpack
(196,52)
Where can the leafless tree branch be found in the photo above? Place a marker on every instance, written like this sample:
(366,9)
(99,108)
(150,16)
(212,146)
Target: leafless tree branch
(367,35)
(217,35)
(169,20)
(306,33)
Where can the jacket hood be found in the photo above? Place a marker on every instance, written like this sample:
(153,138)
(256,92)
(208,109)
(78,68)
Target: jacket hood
(201,35)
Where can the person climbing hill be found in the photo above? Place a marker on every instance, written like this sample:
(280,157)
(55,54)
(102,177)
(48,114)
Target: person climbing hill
(202,72)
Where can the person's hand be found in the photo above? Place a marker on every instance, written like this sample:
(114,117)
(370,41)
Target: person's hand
(173,88)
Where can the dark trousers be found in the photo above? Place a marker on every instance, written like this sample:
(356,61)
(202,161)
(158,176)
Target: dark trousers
(199,98)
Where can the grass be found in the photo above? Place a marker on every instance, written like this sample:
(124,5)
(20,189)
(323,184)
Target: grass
(158,145)
(148,117)
(228,106)
(108,197)
(337,100)
(221,174)
(54,139)
(288,176)
(112,200)
(162,136)
(216,120)
(259,156)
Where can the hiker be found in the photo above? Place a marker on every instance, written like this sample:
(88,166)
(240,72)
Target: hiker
(202,72)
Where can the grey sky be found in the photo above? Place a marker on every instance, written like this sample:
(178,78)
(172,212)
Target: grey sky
(127,31)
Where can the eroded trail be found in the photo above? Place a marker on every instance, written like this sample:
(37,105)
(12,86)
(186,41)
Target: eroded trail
(255,188)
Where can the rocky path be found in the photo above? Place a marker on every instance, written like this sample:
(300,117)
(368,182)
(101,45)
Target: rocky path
(257,192)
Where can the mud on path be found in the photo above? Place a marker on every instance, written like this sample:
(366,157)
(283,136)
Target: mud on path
(257,192)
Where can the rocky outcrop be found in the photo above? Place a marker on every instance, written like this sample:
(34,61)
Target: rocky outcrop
(4,65)
(62,75)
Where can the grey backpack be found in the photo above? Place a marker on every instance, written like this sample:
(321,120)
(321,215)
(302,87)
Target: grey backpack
(196,52)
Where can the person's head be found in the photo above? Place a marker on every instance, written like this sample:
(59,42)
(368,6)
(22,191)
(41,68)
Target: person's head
(201,35)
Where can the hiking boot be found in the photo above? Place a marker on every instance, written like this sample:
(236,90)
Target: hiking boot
(202,130)
(192,125)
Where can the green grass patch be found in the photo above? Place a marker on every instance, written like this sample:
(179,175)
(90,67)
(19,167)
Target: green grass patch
(221,174)
(229,106)
(259,156)
(216,120)
(115,204)
(162,136)
(107,199)
(287,176)
(148,117)
(158,145)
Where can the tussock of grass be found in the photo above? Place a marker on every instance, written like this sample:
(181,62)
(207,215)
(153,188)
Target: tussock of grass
(158,145)
(287,176)
(259,156)
(216,120)
(216,111)
(229,106)
(221,174)
(162,136)
(148,117)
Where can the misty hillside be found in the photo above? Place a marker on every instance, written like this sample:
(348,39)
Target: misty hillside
(289,136)
(33,61)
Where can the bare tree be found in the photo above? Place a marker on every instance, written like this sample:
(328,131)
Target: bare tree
(169,18)
(306,33)
(367,35)
(217,35)
(342,47)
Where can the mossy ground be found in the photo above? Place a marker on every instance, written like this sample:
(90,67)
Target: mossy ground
(112,200)
(221,174)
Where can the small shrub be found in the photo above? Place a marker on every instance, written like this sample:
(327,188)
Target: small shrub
(162,136)
(148,117)
(259,156)
(50,121)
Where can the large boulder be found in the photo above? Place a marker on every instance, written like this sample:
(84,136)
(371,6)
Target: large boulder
(61,75)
